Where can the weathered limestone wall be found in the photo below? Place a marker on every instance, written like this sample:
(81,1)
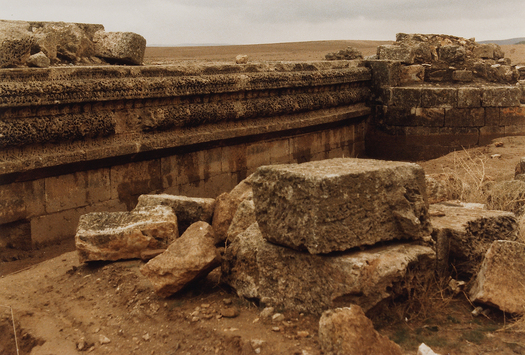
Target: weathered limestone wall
(433,94)
(79,139)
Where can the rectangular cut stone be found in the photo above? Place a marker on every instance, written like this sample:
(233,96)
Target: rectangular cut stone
(21,200)
(438,97)
(492,116)
(403,54)
(412,74)
(501,280)
(415,116)
(405,97)
(128,181)
(302,282)
(501,96)
(385,73)
(512,116)
(187,209)
(462,75)
(469,97)
(338,204)
(430,117)
(65,192)
(464,117)
(463,234)
(125,235)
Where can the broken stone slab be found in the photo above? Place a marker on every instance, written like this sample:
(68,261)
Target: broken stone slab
(120,47)
(293,280)
(339,204)
(463,235)
(243,218)
(188,209)
(226,206)
(187,259)
(124,235)
(16,40)
(501,279)
(345,331)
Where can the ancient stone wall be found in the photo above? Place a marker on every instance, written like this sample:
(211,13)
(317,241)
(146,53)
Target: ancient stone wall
(76,139)
(433,94)
(80,139)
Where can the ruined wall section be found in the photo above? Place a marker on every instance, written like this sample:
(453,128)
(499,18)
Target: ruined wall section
(80,139)
(434,94)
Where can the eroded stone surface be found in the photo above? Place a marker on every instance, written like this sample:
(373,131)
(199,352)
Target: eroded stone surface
(296,280)
(346,331)
(188,209)
(501,280)
(124,235)
(338,204)
(463,235)
(243,218)
(120,47)
(187,259)
(15,43)
(226,206)
(66,42)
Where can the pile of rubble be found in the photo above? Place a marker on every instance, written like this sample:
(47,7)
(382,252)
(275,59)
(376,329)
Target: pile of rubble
(316,237)
(444,58)
(41,44)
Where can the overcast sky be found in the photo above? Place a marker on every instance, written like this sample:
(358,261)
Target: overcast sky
(173,22)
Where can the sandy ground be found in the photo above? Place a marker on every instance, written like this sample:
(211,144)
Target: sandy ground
(59,306)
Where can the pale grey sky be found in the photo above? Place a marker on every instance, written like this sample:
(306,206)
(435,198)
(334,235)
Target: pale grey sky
(172,22)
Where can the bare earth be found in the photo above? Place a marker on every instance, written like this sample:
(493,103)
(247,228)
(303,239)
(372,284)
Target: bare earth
(62,307)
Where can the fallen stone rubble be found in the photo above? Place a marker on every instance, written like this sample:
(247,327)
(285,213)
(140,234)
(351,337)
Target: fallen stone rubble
(316,236)
(41,44)
(463,234)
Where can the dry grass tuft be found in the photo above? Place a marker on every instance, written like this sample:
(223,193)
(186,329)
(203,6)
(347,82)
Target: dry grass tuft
(507,196)
(422,296)
(469,169)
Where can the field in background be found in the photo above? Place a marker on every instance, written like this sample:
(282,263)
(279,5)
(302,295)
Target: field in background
(292,51)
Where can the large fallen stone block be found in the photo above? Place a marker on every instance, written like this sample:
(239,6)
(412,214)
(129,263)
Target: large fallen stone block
(187,259)
(463,235)
(285,278)
(347,331)
(501,280)
(124,235)
(338,204)
(188,209)
(120,47)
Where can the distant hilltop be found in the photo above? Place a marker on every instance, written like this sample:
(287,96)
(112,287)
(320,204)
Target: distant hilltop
(519,40)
